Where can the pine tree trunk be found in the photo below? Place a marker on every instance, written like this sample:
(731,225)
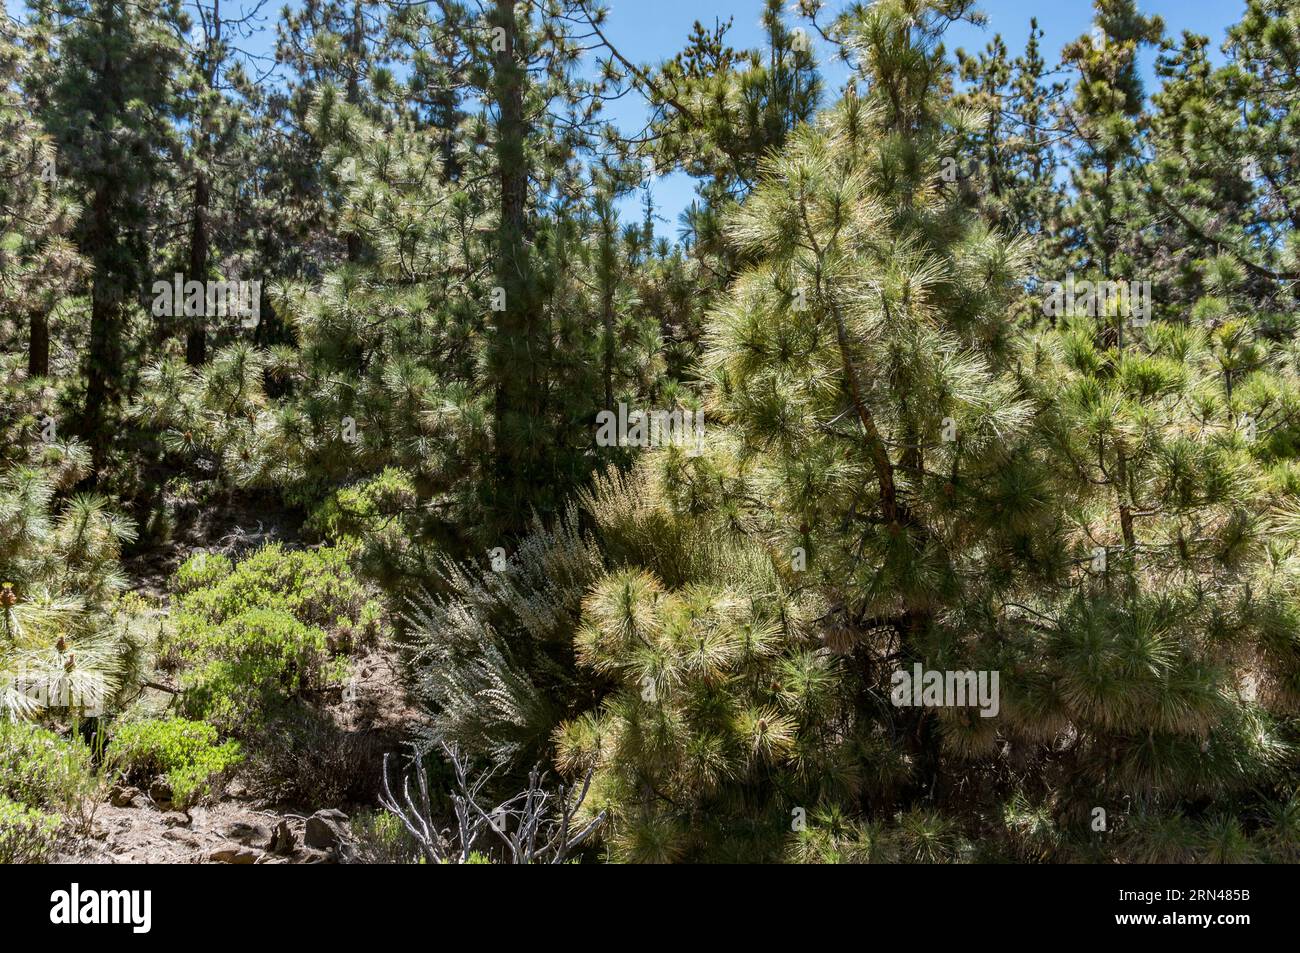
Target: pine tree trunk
(607,302)
(196,338)
(515,368)
(355,41)
(607,314)
(38,352)
(104,358)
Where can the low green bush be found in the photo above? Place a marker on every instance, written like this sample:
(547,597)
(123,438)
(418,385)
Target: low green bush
(45,780)
(253,636)
(185,753)
(315,586)
(356,511)
(27,834)
(201,570)
(246,667)
(40,769)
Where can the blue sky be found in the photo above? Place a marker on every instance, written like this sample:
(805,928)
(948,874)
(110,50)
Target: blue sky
(650,30)
(647,31)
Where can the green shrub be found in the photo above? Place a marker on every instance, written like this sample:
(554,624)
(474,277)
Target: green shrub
(392,534)
(315,586)
(43,778)
(380,838)
(356,511)
(253,636)
(200,570)
(245,667)
(27,834)
(41,770)
(185,752)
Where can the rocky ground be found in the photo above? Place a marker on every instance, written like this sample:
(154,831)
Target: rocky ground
(133,829)
(135,825)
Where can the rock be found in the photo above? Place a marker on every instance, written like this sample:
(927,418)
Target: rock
(161,793)
(234,855)
(124,797)
(176,819)
(283,841)
(246,834)
(326,830)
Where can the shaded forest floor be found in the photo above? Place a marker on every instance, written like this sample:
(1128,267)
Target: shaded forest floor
(133,825)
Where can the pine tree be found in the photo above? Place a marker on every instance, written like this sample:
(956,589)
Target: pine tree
(343,44)
(393,345)
(1222,141)
(216,118)
(38,266)
(1105,121)
(63,646)
(109,112)
(866,363)
(1013,161)
(716,113)
(545,332)
(942,488)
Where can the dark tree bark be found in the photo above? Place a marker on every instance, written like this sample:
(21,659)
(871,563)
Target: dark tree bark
(196,337)
(356,40)
(516,351)
(104,358)
(38,352)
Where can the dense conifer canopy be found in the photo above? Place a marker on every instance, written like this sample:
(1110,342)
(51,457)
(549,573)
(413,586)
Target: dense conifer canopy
(934,496)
